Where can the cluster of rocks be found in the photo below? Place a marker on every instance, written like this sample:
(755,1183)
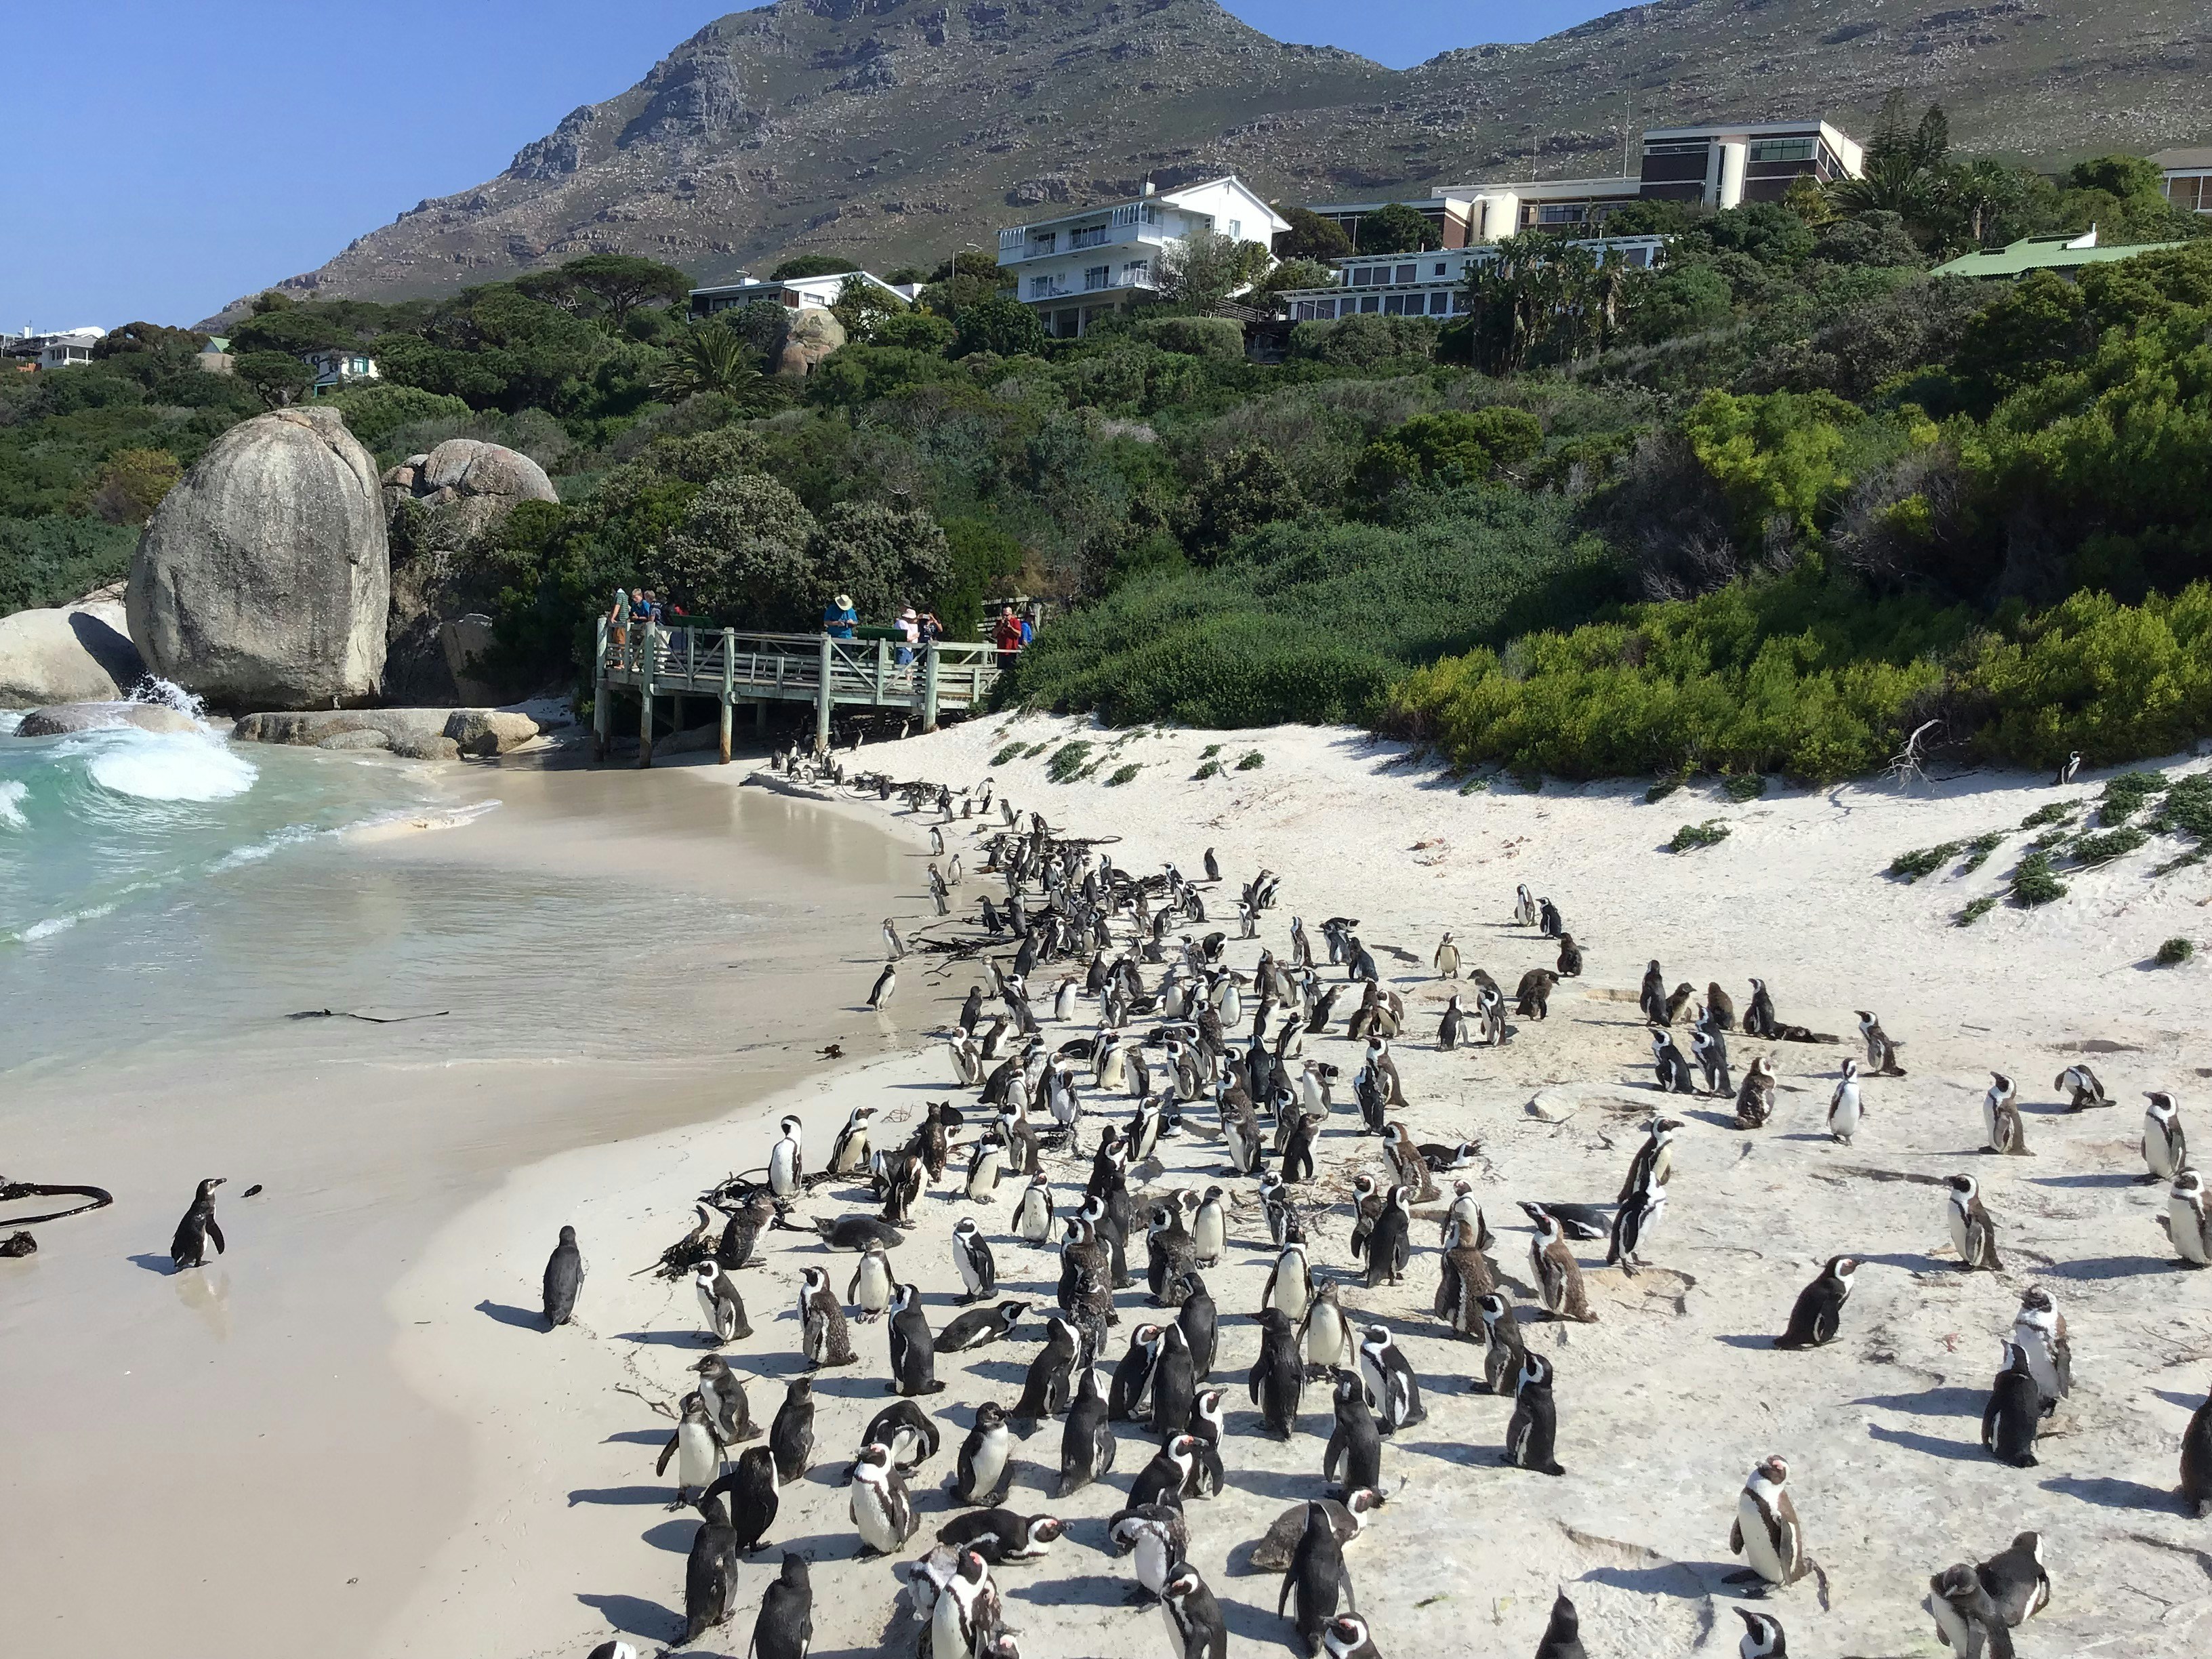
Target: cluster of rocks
(416,734)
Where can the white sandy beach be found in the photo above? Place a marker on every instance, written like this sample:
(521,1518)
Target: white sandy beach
(1664,1403)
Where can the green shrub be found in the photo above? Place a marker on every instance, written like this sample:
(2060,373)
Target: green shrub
(1211,770)
(2105,848)
(1252,761)
(1123,773)
(2124,795)
(1219,339)
(1659,791)
(1012,751)
(2186,809)
(1712,833)
(2050,812)
(1067,761)
(2033,883)
(1911,867)
(1745,786)
(1976,908)
(1209,751)
(54,560)
(2175,951)
(1474,786)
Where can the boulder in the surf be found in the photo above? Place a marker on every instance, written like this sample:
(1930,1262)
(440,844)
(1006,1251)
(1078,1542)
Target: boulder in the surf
(72,655)
(62,719)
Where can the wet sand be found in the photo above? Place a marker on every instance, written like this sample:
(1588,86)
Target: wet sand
(231,1456)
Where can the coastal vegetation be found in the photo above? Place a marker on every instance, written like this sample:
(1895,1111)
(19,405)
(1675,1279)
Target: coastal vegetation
(1771,508)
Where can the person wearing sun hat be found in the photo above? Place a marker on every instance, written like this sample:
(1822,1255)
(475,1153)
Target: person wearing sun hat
(839,619)
(909,630)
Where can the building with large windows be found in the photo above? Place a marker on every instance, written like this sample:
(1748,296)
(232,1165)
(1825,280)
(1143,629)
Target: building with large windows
(1076,266)
(1431,284)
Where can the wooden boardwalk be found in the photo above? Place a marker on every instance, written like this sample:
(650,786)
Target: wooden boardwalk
(760,669)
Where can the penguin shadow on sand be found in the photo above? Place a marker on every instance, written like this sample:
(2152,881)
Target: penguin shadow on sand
(2110,1492)
(2104,1178)
(1288,1484)
(2090,1269)
(673,1535)
(523,1319)
(1944,1400)
(633,1615)
(693,1340)
(1951,1451)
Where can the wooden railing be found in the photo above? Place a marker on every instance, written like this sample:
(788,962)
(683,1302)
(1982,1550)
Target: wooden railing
(735,667)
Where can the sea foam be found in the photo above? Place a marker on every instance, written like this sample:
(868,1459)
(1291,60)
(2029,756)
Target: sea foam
(170,766)
(11,803)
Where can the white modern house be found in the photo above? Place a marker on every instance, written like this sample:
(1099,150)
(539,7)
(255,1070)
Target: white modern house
(2188,174)
(797,294)
(1077,266)
(1430,285)
(63,349)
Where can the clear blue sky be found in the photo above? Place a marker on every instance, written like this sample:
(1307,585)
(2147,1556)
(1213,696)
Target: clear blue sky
(167,157)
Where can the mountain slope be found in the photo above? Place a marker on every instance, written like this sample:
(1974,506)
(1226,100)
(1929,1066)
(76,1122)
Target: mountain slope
(897,131)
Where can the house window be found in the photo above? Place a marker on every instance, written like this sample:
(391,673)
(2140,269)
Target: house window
(1089,236)
(1235,230)
(1369,302)
(1439,268)
(1566,213)
(1781,150)
(1137,273)
(1043,241)
(1040,287)
(1439,303)
(1458,302)
(1098,277)
(1406,273)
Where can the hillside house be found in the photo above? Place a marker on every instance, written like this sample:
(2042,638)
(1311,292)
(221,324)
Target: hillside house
(1075,267)
(2188,178)
(2065,253)
(63,349)
(338,367)
(1429,284)
(1720,165)
(796,293)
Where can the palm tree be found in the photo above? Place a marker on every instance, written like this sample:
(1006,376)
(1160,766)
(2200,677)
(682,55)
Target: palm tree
(711,358)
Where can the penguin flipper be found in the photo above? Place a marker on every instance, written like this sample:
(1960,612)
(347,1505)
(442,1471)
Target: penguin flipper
(215,1234)
(666,1452)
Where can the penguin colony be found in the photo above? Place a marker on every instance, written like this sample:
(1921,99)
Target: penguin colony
(1131,1110)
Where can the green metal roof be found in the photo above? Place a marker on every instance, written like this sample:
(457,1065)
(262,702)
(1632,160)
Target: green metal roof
(2041,253)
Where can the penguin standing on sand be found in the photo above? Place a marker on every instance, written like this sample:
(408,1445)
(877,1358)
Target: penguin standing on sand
(979,1273)
(2000,1125)
(2040,1330)
(1325,1335)
(1503,1353)
(823,1337)
(914,1352)
(1317,1580)
(1966,1619)
(2083,1089)
(1558,1276)
(1675,1075)
(710,1574)
(1532,1434)
(872,1287)
(1446,959)
(1818,1313)
(879,995)
(1754,1101)
(1562,1634)
(1548,918)
(1392,1388)
(1711,1051)
(791,1437)
(1086,1440)
(1524,906)
(1199,1322)
(1845,1108)
(188,1249)
(564,1273)
(786,1161)
(2186,1220)
(1651,995)
(751,1492)
(1765,1532)
(1972,1235)
(1195,1622)
(907,1431)
(724,1395)
(2014,1415)
(785,1629)
(2067,769)
(697,1452)
(849,1153)
(882,1513)
(719,1305)
(985,1459)
(2197,1461)
(1633,1223)
(1209,1228)
(2016,1579)
(2165,1148)
(1762,1636)
(1278,1378)
(1033,1214)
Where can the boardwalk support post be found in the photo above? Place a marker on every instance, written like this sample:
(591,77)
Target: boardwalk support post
(822,699)
(601,715)
(729,674)
(929,689)
(644,666)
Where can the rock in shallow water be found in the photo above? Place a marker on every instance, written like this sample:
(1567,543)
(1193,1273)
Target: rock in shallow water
(71,655)
(60,719)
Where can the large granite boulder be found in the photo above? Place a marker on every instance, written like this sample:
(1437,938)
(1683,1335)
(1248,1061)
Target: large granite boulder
(76,654)
(810,334)
(265,577)
(417,733)
(467,485)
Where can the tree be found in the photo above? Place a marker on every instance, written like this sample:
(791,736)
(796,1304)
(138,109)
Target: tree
(998,325)
(132,484)
(810,264)
(862,307)
(1397,229)
(1247,488)
(1205,268)
(883,557)
(611,285)
(1903,169)
(147,337)
(277,377)
(742,554)
(710,357)
(1310,236)
(1290,274)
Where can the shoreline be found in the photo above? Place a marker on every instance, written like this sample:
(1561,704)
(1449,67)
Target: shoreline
(571,1542)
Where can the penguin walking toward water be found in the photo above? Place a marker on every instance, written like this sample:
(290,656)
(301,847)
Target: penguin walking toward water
(188,1248)
(1846,1106)
(785,1629)
(2014,1416)
(564,1272)
(787,1162)
(914,1350)
(2001,1128)
(1818,1312)
(1532,1434)
(879,995)
(1973,1234)
(979,1273)
(2165,1148)
(719,1305)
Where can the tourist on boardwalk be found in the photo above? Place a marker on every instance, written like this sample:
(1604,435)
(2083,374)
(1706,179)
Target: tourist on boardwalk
(1010,636)
(839,619)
